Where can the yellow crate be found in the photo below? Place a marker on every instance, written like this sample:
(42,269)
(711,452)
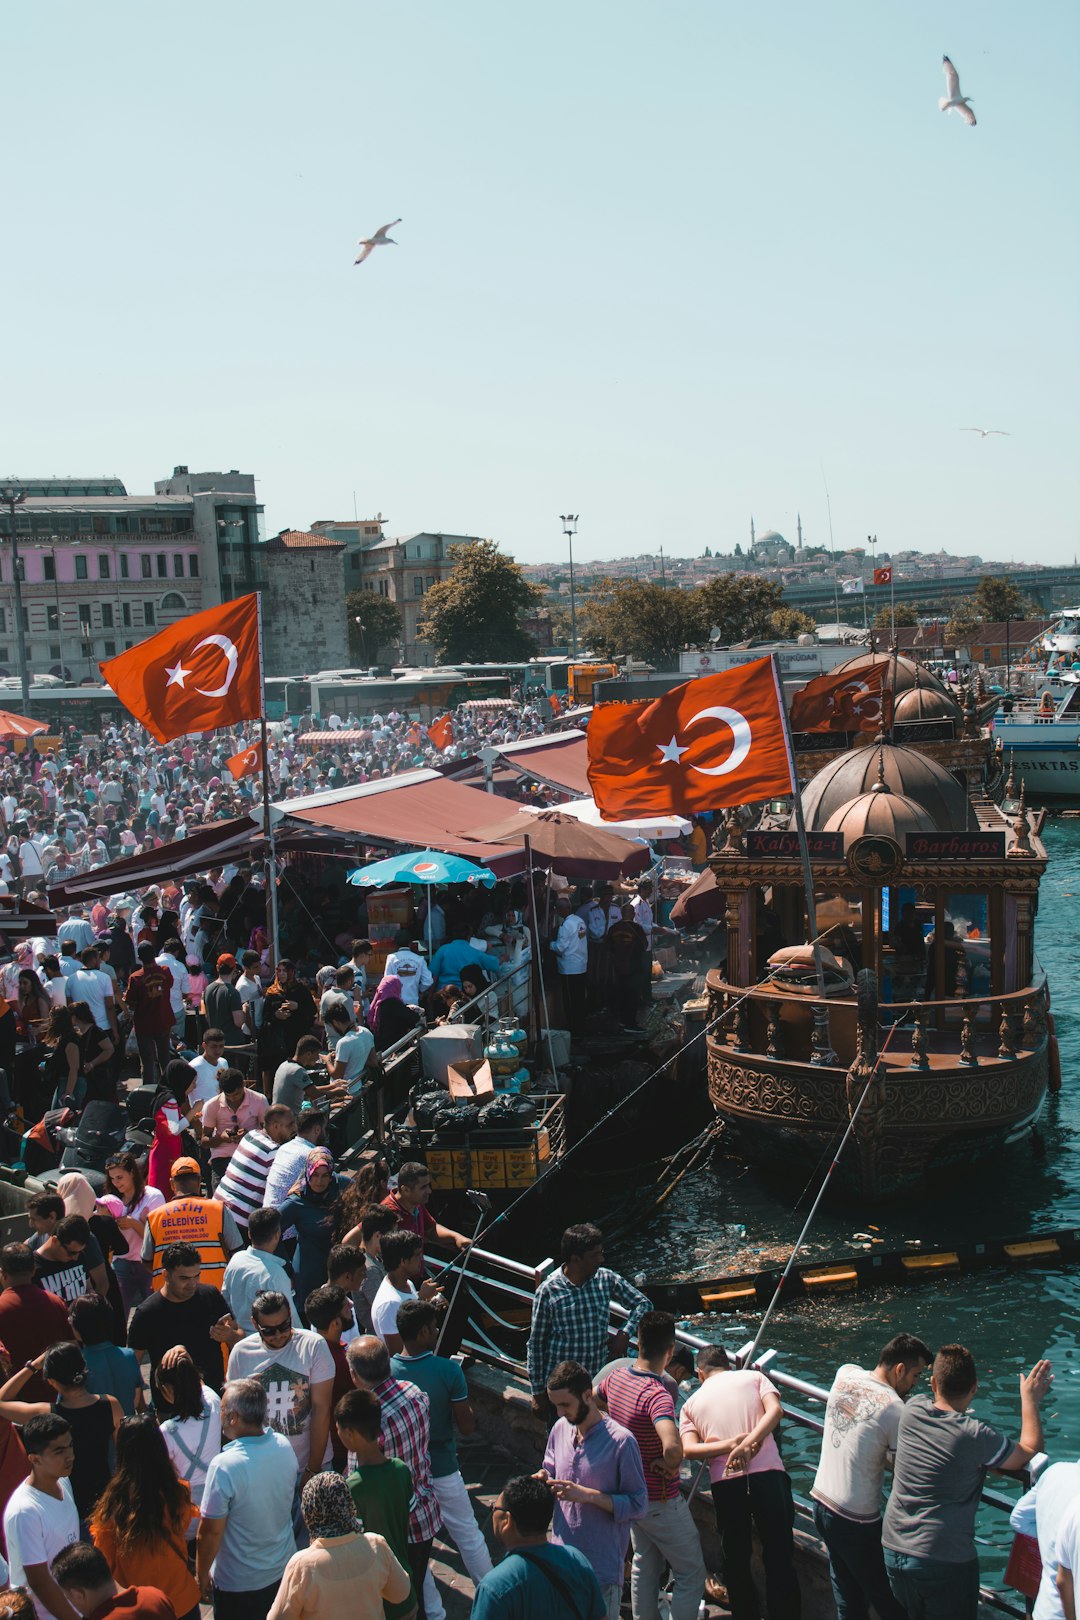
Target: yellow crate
(543,1145)
(490,1167)
(520,1167)
(440,1163)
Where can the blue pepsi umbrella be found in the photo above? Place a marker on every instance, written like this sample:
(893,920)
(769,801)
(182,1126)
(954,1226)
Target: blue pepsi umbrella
(429,866)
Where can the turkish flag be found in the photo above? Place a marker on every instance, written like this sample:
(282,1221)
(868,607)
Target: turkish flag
(200,673)
(714,742)
(846,700)
(441,732)
(554,704)
(247,763)
(883,576)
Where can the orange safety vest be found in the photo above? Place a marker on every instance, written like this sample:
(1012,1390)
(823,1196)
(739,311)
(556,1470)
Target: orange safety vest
(197,1221)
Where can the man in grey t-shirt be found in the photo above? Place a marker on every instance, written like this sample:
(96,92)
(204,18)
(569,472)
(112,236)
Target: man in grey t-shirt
(942,1454)
(294,1080)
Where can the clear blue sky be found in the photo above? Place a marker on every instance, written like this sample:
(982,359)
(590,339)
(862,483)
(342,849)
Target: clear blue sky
(659,264)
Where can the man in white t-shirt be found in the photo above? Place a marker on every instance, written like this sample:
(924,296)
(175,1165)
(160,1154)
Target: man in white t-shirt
(296,1369)
(41,1518)
(208,1065)
(859,1441)
(402,1255)
(171,956)
(90,984)
(729,1423)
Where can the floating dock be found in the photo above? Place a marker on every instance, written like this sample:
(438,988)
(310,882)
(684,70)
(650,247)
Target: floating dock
(867,1269)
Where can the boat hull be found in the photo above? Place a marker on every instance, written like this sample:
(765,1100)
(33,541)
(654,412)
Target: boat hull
(1046,756)
(789,1117)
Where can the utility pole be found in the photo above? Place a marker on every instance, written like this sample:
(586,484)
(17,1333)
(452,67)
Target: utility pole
(569,523)
(12,498)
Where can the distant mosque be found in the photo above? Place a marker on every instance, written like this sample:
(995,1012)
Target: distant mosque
(772,548)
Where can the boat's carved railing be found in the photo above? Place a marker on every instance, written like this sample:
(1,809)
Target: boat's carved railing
(778,1022)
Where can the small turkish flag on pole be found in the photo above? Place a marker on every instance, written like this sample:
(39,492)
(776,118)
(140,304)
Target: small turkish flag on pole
(247,763)
(883,576)
(554,704)
(714,742)
(844,701)
(441,732)
(201,673)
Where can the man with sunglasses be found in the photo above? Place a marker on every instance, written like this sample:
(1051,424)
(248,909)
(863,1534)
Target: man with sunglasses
(296,1369)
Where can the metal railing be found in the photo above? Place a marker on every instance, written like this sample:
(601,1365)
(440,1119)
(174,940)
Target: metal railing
(499,1293)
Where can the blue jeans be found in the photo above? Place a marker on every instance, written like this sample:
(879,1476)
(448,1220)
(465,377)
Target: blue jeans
(931,1589)
(856,1567)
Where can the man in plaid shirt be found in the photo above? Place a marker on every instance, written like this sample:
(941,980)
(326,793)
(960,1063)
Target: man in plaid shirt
(406,1433)
(572,1312)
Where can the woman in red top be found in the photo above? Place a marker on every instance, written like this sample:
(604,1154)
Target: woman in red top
(172,1112)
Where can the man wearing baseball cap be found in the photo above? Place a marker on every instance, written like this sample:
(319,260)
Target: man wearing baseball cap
(188,1217)
(225,1005)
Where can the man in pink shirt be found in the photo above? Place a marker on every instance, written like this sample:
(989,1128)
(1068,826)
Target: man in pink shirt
(729,1423)
(228,1117)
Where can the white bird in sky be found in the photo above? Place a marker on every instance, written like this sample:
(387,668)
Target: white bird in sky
(954,101)
(380,239)
(984,433)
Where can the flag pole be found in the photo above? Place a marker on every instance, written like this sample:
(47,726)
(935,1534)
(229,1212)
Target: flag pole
(268,825)
(823,1052)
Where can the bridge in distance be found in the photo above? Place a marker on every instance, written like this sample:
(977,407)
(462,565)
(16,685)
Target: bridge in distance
(1050,588)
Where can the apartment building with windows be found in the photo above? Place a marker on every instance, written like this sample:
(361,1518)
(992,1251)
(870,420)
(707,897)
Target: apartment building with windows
(102,569)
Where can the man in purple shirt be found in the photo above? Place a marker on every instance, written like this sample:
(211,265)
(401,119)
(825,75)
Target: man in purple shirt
(593,1466)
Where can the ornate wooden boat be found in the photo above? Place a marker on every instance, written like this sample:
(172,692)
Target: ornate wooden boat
(934,1029)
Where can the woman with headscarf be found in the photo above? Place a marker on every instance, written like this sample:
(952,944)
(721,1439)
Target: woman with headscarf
(389,1017)
(343,1561)
(311,1208)
(172,1109)
(121,949)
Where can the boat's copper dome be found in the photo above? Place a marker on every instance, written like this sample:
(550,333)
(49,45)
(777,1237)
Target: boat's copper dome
(891,815)
(904,771)
(902,674)
(926,703)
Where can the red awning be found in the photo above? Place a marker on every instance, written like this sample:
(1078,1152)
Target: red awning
(207,846)
(23,917)
(429,813)
(332,739)
(560,760)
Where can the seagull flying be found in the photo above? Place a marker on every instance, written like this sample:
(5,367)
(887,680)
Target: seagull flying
(380,239)
(954,101)
(984,433)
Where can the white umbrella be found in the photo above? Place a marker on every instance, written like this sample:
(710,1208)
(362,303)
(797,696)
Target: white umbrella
(649,827)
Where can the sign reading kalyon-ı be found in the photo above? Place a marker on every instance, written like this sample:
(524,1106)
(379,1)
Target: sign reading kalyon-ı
(778,844)
(975,846)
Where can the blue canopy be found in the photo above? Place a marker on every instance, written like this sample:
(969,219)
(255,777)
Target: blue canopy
(428,866)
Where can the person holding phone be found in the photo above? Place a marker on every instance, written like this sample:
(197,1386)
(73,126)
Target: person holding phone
(729,1422)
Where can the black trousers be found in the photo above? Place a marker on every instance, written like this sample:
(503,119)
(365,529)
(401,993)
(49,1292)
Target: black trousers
(762,1501)
(244,1605)
(419,1557)
(573,989)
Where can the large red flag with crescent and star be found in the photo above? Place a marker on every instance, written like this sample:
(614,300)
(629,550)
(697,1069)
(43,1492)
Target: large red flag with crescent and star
(845,700)
(247,763)
(714,742)
(201,673)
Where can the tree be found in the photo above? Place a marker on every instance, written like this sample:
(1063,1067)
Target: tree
(379,626)
(964,621)
(739,608)
(905,615)
(997,598)
(473,615)
(635,619)
(788,623)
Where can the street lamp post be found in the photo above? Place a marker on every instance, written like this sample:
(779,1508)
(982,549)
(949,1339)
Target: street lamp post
(569,524)
(12,498)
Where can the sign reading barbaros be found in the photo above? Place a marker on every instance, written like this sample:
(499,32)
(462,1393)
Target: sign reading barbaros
(965,846)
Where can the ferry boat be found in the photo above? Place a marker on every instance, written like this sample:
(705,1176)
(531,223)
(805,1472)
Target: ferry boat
(933,1032)
(1063,636)
(1041,739)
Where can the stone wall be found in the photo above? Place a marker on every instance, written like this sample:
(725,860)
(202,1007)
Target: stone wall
(304,619)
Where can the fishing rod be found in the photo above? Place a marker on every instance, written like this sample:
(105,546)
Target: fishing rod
(748,1358)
